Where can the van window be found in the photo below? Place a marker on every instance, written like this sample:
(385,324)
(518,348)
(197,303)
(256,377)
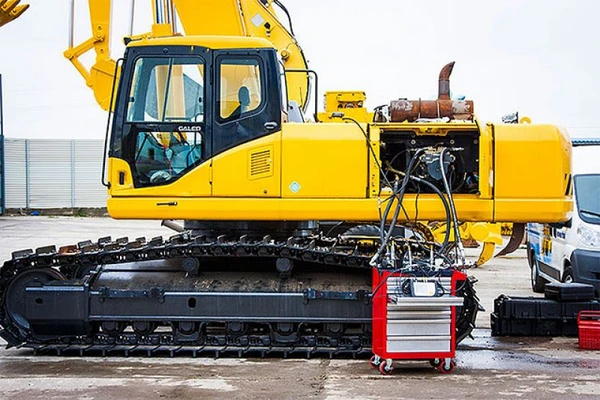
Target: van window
(587,194)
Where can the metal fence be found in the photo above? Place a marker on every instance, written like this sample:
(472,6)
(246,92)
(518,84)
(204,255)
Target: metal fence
(52,173)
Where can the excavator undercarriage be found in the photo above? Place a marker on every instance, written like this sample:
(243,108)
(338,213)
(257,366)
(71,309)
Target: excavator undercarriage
(302,296)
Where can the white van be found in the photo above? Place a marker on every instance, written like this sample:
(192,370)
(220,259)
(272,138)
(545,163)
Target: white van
(570,252)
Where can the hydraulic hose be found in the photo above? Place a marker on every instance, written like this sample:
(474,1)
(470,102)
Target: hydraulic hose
(399,197)
(446,207)
(451,202)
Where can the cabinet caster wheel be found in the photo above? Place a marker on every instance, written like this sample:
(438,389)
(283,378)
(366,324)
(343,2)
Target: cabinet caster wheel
(435,362)
(447,367)
(385,369)
(375,362)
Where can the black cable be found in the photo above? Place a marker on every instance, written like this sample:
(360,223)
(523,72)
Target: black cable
(333,227)
(437,274)
(108,123)
(375,157)
(444,202)
(450,198)
(384,280)
(379,109)
(400,197)
(285,10)
(387,211)
(391,162)
(417,204)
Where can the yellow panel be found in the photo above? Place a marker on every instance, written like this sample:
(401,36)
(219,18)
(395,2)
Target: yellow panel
(200,17)
(277,209)
(211,42)
(350,103)
(194,184)
(324,160)
(531,173)
(532,210)
(321,171)
(486,162)
(374,175)
(359,114)
(241,171)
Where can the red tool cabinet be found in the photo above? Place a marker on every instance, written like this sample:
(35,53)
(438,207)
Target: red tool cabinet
(409,327)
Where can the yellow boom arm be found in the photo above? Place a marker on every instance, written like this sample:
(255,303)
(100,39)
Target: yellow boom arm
(199,17)
(10,10)
(100,76)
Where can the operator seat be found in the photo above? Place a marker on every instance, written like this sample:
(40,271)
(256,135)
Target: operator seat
(244,99)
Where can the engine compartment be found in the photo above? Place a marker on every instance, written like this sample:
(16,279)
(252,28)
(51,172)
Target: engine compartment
(460,161)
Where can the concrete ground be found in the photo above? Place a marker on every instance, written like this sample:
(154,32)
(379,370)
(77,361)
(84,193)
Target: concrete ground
(528,368)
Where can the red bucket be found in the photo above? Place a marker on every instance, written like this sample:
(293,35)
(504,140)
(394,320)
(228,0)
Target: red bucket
(589,330)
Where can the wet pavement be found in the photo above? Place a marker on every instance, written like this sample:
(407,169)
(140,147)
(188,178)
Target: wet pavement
(527,368)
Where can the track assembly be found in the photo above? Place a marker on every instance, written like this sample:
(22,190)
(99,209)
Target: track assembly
(197,296)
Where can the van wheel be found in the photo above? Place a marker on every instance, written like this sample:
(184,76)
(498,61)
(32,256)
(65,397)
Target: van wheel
(537,282)
(568,275)
(530,256)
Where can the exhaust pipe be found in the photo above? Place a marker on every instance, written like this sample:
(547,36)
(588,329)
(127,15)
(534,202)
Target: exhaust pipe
(171,224)
(444,82)
(404,110)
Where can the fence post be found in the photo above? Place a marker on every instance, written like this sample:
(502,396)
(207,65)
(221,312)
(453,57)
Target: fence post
(27,180)
(72,173)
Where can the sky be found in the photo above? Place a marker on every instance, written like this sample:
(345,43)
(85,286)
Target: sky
(537,57)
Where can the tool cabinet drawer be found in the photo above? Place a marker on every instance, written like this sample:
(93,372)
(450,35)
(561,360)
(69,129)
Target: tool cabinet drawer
(418,327)
(418,344)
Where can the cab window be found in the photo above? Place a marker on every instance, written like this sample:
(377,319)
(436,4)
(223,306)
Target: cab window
(167,89)
(165,128)
(240,89)
(247,97)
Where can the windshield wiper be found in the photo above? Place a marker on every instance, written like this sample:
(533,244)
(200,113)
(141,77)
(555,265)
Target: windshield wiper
(592,213)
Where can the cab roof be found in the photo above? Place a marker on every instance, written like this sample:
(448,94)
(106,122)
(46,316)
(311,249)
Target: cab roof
(211,42)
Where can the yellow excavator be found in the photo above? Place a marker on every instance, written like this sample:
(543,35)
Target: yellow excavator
(287,217)
(227,19)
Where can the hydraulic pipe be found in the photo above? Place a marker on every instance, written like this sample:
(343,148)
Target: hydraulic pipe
(171,224)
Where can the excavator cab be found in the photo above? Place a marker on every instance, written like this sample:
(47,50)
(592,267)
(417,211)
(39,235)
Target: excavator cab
(179,105)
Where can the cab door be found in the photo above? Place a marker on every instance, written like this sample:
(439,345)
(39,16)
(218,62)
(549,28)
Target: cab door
(246,138)
(161,143)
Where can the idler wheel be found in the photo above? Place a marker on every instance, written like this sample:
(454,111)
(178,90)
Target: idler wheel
(236,328)
(143,327)
(187,327)
(334,329)
(284,328)
(113,327)
(15,295)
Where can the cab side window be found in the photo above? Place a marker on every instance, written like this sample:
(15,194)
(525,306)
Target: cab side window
(248,103)
(240,89)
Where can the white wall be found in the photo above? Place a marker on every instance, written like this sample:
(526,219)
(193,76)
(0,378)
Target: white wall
(52,173)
